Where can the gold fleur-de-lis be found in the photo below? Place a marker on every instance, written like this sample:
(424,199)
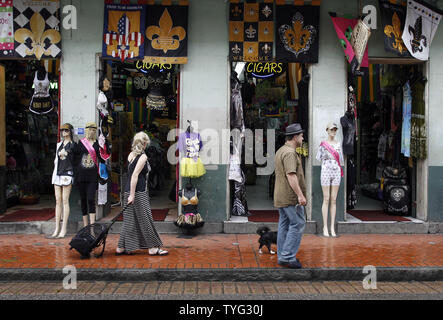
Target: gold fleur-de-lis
(395,30)
(297,38)
(38,35)
(236,49)
(168,37)
(236,11)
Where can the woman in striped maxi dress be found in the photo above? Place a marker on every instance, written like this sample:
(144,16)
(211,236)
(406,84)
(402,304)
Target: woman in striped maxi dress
(138,230)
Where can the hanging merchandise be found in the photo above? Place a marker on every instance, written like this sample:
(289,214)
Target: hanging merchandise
(418,121)
(251,30)
(298,30)
(189,219)
(41,101)
(393,18)
(345,28)
(420,27)
(36,29)
(190,144)
(6,29)
(123,31)
(406,126)
(167,34)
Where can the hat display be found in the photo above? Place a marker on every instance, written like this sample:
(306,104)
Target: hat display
(293,129)
(91,125)
(331,125)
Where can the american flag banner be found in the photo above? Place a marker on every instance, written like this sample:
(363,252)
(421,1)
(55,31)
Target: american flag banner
(123,31)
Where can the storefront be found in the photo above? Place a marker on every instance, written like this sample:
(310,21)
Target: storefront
(202,92)
(30,58)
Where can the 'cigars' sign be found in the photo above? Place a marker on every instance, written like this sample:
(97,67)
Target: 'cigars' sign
(264,69)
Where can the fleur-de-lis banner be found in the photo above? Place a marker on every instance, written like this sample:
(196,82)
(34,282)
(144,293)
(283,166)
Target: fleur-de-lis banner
(298,29)
(393,18)
(37,29)
(420,27)
(167,34)
(344,28)
(123,31)
(6,29)
(251,30)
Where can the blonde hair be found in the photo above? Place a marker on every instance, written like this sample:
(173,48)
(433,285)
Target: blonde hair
(138,143)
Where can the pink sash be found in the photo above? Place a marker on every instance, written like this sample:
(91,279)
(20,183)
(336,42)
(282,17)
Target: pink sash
(91,150)
(334,153)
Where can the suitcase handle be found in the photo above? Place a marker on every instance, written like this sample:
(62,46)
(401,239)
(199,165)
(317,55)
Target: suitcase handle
(118,216)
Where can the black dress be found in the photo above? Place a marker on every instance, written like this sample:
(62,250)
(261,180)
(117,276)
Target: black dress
(138,230)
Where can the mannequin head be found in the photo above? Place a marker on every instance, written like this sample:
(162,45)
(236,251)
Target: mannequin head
(104,84)
(140,142)
(41,73)
(91,131)
(67,131)
(331,129)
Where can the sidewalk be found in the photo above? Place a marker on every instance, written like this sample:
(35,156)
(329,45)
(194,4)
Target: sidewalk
(232,257)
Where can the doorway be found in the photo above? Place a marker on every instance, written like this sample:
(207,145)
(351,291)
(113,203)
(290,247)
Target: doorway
(385,168)
(145,98)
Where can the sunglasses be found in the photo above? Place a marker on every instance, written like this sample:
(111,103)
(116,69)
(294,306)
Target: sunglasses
(64,130)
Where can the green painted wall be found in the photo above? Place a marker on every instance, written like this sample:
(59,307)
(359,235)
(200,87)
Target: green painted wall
(212,201)
(435,194)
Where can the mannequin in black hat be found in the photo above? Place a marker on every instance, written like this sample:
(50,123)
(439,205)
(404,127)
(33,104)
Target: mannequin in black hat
(289,197)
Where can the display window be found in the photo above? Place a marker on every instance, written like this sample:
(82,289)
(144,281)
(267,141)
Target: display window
(31,122)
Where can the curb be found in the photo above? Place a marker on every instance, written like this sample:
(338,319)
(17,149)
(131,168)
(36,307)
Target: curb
(274,274)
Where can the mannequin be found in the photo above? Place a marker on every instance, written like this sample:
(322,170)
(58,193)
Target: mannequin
(330,154)
(104,98)
(87,173)
(155,99)
(63,178)
(190,218)
(41,101)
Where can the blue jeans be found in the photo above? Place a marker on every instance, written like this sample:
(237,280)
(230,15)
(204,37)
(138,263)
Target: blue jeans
(291,225)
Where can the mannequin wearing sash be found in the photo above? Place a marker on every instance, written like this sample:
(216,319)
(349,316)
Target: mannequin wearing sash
(89,155)
(331,157)
(63,178)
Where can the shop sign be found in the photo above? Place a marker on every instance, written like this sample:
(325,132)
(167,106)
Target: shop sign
(146,66)
(264,69)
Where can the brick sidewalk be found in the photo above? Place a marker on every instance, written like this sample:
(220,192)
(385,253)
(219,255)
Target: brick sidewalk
(179,288)
(225,251)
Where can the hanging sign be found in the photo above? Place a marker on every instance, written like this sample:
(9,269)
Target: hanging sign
(6,29)
(251,30)
(167,34)
(393,18)
(298,30)
(420,27)
(265,69)
(123,31)
(37,29)
(344,28)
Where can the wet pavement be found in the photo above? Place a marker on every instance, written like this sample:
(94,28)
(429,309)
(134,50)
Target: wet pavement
(229,251)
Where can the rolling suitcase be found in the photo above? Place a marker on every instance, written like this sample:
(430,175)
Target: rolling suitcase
(91,237)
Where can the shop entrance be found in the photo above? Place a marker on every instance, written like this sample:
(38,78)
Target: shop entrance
(385,164)
(31,134)
(273,95)
(145,98)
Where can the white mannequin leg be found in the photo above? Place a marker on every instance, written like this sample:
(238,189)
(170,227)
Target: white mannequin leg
(92,218)
(334,192)
(324,209)
(58,209)
(85,221)
(66,210)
